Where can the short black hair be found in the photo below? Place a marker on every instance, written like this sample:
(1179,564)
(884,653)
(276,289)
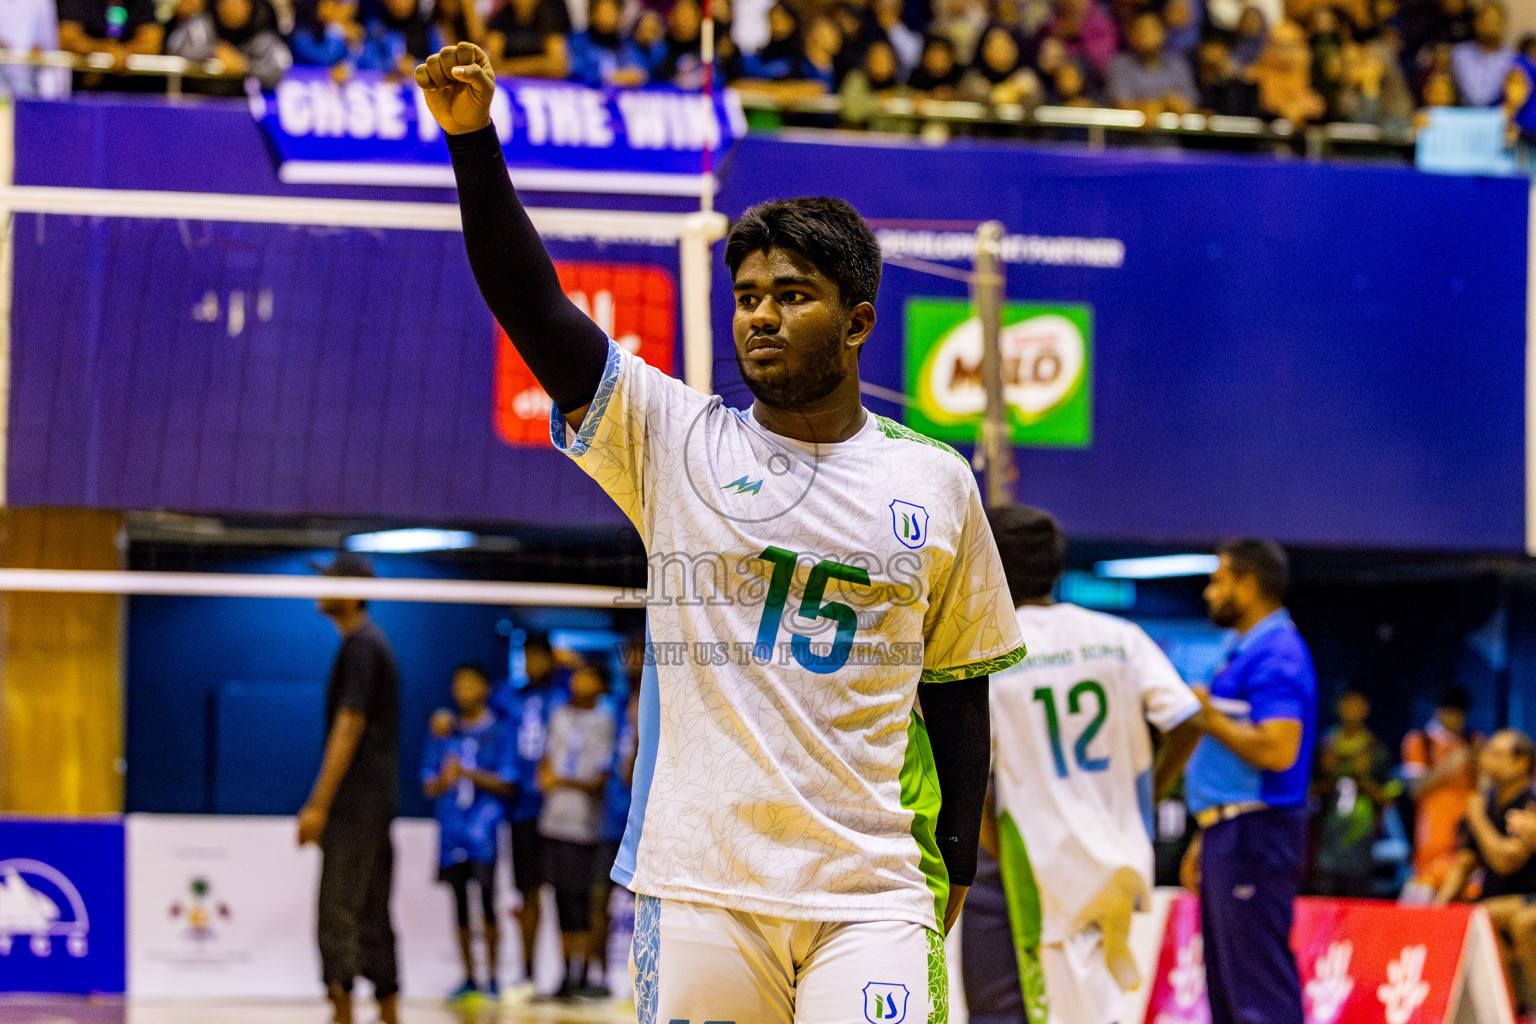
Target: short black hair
(828,232)
(1456,697)
(1033,549)
(1264,560)
(1523,746)
(479,670)
(536,640)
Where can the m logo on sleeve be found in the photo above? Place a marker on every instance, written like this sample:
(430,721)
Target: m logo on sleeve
(885,1003)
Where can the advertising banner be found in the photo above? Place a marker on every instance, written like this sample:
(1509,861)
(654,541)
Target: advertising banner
(374,129)
(1361,962)
(1047,371)
(61,906)
(223,907)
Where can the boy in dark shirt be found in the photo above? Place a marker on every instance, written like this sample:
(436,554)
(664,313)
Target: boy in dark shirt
(349,811)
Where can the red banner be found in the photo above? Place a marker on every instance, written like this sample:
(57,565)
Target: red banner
(635,305)
(1361,962)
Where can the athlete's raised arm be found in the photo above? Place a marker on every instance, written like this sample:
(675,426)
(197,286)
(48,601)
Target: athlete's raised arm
(565,350)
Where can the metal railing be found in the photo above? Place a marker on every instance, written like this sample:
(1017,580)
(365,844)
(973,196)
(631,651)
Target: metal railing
(1096,123)
(175,70)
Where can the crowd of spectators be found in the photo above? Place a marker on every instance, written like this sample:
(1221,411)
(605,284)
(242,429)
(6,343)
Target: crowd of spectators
(553,758)
(1466,804)
(1371,61)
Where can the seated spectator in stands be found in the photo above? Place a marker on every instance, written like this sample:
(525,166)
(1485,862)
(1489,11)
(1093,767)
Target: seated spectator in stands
(906,43)
(998,76)
(1252,37)
(727,53)
(602,55)
(853,20)
(526,39)
(1327,32)
(1374,90)
(458,21)
(676,57)
(1150,78)
(961,22)
(400,36)
(824,54)
(1184,20)
(31,26)
(1350,785)
(1520,92)
(1283,74)
(1481,64)
(1223,90)
(784,54)
(1069,86)
(1450,23)
(240,34)
(877,78)
(327,34)
(1227,15)
(117,27)
(1439,759)
(938,73)
(1486,842)
(1087,31)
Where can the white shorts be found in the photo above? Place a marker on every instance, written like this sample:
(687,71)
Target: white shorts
(1078,985)
(693,964)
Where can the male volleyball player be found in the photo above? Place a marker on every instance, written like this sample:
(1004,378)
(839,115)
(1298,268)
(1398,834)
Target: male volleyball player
(791,854)
(1074,780)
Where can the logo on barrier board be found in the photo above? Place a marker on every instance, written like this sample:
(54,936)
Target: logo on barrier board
(39,904)
(1188,975)
(885,1003)
(1047,365)
(1405,990)
(634,304)
(200,910)
(1331,984)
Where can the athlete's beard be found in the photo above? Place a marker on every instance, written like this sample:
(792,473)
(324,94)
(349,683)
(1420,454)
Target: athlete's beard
(1224,615)
(821,375)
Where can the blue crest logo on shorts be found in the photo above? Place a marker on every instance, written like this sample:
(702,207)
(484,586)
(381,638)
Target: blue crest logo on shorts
(885,1003)
(910,523)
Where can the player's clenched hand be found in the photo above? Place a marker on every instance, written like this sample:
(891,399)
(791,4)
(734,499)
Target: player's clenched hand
(458,83)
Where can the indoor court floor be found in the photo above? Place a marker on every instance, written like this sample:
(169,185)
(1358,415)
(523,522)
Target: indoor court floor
(42,1010)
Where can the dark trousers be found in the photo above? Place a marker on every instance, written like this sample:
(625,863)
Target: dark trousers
(1250,870)
(356,936)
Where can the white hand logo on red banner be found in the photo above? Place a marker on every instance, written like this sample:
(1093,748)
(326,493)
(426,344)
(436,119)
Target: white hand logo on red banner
(1405,989)
(1188,975)
(1331,984)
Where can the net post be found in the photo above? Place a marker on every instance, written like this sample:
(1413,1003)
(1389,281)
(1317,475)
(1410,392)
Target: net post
(700,231)
(987,284)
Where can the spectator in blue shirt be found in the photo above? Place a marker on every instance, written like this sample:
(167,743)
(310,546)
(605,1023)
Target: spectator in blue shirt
(467,774)
(399,36)
(527,711)
(1483,63)
(327,34)
(1247,788)
(604,55)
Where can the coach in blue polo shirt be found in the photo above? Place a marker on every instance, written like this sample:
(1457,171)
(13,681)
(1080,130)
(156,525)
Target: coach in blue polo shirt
(1247,788)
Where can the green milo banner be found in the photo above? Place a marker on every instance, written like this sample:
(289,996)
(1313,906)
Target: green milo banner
(1047,371)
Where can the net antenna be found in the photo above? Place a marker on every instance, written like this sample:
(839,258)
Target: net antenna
(988,285)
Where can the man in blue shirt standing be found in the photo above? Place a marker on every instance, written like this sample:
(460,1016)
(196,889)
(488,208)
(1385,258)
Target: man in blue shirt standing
(1247,788)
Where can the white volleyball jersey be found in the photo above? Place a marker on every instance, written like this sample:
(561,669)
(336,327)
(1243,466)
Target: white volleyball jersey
(1072,757)
(798,594)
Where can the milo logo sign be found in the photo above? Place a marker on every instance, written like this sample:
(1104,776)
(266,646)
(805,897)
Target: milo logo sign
(1047,371)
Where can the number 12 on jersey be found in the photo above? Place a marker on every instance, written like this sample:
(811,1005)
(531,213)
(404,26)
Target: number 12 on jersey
(1075,705)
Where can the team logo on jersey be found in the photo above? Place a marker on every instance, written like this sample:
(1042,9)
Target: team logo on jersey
(744,486)
(910,523)
(885,1003)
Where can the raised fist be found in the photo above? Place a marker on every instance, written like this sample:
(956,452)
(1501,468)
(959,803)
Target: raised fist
(458,83)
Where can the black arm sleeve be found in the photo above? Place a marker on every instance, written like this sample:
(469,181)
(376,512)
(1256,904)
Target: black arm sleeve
(959,721)
(561,345)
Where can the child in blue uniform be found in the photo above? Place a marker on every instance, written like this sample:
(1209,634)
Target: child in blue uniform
(466,770)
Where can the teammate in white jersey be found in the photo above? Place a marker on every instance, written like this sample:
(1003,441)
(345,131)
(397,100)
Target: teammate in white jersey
(818,573)
(1074,780)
